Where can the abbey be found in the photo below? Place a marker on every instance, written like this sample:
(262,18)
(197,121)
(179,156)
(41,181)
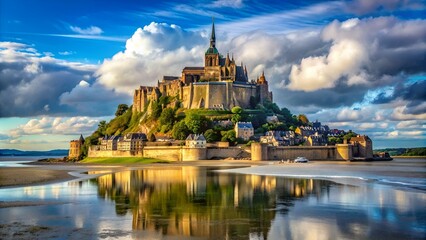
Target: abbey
(220,84)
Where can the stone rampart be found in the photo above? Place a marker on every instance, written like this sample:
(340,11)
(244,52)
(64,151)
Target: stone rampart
(171,153)
(311,153)
(262,152)
(110,153)
(229,152)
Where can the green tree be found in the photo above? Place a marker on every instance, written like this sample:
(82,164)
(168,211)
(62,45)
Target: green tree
(102,126)
(229,136)
(237,110)
(334,140)
(212,135)
(121,109)
(196,123)
(156,110)
(167,119)
(180,130)
(349,135)
(236,118)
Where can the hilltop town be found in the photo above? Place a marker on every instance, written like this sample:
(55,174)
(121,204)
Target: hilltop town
(215,112)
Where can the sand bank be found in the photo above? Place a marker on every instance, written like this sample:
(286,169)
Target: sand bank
(23,176)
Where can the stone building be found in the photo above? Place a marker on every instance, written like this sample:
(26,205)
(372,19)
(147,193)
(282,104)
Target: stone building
(133,142)
(75,148)
(196,141)
(244,130)
(220,84)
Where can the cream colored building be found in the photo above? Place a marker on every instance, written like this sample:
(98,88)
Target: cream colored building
(244,130)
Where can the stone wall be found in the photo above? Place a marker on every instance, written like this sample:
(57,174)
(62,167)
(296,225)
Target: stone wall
(261,152)
(311,153)
(172,153)
(110,153)
(242,93)
(230,152)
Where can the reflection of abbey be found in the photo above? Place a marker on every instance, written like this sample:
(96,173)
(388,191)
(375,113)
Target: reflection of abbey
(220,84)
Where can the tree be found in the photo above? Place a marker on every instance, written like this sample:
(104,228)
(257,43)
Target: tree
(212,136)
(167,118)
(237,110)
(180,131)
(303,119)
(156,110)
(121,109)
(229,136)
(349,135)
(236,118)
(196,123)
(102,126)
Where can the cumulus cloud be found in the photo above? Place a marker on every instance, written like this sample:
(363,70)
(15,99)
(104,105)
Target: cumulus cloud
(33,84)
(153,51)
(92,30)
(366,52)
(55,126)
(90,100)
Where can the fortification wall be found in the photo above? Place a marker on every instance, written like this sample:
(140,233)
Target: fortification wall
(110,153)
(192,154)
(200,93)
(217,96)
(186,96)
(242,94)
(344,152)
(311,153)
(230,152)
(261,152)
(171,153)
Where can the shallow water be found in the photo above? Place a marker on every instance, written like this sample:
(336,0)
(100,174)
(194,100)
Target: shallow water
(198,203)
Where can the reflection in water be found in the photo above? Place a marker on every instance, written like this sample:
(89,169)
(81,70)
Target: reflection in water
(197,202)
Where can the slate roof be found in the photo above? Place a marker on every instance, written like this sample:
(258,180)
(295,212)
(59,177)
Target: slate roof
(244,125)
(196,137)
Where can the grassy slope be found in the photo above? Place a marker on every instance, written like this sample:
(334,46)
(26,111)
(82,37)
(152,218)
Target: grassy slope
(122,160)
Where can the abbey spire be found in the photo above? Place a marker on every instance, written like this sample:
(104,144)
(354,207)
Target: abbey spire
(213,36)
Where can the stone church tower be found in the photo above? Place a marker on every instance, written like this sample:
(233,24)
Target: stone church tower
(219,84)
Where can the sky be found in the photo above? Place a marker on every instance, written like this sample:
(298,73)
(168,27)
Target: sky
(354,65)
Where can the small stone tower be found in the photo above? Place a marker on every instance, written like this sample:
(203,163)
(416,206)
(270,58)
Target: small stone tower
(75,148)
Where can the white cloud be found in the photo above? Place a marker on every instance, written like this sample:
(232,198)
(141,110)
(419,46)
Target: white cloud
(401,113)
(66,53)
(55,126)
(227,3)
(31,83)
(347,114)
(92,30)
(153,51)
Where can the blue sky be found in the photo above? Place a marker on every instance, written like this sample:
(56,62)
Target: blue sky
(66,65)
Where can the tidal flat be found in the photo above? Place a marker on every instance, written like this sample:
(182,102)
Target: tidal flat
(221,199)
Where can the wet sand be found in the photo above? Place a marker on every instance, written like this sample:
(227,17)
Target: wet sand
(24,176)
